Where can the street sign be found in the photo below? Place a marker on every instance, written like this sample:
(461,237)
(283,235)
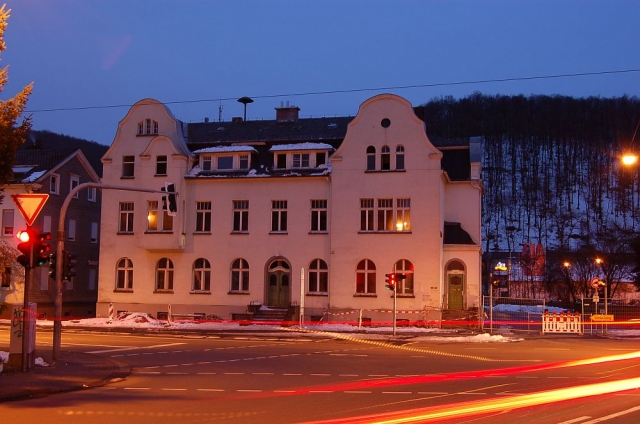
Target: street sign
(601,317)
(594,283)
(30,205)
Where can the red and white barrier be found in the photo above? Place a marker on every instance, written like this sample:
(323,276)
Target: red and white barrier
(564,322)
(112,313)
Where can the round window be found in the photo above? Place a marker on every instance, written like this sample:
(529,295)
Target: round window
(385,123)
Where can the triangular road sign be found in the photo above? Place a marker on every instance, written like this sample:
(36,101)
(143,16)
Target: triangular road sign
(30,205)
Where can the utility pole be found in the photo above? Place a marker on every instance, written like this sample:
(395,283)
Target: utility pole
(57,323)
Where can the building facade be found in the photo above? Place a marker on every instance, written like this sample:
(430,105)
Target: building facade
(290,212)
(56,173)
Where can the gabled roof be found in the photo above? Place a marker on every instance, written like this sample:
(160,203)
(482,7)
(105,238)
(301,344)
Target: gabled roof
(32,165)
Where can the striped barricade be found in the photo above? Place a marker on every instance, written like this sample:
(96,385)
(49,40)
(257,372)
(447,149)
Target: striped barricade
(564,322)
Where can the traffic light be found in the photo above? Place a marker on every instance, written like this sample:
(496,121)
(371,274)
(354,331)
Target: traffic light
(26,241)
(390,279)
(52,266)
(169,202)
(41,249)
(69,265)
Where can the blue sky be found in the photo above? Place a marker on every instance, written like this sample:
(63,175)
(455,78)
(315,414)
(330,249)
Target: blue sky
(87,55)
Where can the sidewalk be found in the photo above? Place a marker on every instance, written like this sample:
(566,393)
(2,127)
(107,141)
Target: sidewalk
(74,371)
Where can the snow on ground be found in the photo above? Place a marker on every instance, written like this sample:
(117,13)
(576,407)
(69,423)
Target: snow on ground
(423,334)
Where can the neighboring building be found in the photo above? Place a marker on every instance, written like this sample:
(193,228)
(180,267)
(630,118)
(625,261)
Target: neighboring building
(54,172)
(266,206)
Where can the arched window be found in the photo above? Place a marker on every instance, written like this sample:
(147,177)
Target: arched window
(399,158)
(164,275)
(404,285)
(371,158)
(318,276)
(124,275)
(366,277)
(201,276)
(385,158)
(240,276)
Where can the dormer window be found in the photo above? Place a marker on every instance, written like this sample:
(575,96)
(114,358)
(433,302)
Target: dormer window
(301,160)
(148,127)
(231,158)
(300,155)
(225,162)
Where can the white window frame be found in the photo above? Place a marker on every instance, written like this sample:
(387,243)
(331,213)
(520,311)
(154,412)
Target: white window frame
(71,233)
(54,184)
(74,181)
(203,217)
(8,222)
(124,275)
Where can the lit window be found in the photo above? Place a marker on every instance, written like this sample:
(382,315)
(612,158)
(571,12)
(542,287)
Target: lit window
(7,222)
(244,161)
(403,214)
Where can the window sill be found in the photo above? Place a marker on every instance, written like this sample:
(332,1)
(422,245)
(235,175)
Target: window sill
(127,177)
(278,232)
(200,292)
(239,232)
(319,232)
(321,294)
(383,171)
(159,232)
(237,292)
(163,291)
(384,232)
(123,291)
(365,295)
(128,233)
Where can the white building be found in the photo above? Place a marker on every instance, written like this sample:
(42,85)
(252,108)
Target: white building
(332,204)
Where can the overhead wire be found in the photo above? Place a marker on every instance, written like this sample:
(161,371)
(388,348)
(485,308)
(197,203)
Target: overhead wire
(354,90)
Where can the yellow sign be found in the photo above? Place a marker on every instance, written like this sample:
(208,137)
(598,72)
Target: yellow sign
(601,317)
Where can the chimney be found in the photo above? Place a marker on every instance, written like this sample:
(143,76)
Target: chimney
(287,113)
(236,119)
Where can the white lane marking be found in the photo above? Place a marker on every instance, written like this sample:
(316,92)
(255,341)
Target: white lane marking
(614,415)
(135,348)
(576,420)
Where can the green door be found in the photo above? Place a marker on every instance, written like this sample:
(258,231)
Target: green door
(456,287)
(278,276)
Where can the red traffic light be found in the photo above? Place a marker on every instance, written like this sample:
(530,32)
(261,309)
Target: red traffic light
(390,279)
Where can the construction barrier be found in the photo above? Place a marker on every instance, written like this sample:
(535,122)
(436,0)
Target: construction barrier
(564,322)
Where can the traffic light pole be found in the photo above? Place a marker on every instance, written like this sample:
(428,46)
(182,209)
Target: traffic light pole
(57,323)
(395,308)
(26,330)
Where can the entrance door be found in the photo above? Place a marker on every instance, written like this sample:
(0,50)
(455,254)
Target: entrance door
(279,288)
(456,287)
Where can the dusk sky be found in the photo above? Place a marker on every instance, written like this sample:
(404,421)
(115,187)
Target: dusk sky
(90,60)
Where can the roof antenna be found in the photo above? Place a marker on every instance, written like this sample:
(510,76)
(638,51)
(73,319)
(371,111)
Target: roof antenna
(244,100)
(220,111)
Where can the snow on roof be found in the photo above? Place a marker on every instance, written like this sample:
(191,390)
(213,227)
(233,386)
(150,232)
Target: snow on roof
(301,146)
(34,177)
(225,149)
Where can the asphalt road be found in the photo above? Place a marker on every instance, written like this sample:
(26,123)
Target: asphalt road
(296,379)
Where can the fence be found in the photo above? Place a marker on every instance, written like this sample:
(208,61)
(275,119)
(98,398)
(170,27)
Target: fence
(512,313)
(427,317)
(528,315)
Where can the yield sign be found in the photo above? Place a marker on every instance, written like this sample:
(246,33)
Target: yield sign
(30,205)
